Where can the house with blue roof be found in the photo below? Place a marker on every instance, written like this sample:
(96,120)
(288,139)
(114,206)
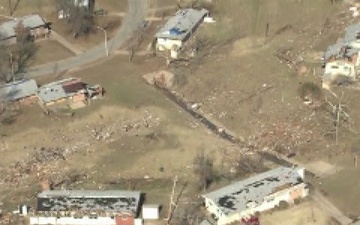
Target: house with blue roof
(179,28)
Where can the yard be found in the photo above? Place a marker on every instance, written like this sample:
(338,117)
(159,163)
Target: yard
(304,214)
(49,51)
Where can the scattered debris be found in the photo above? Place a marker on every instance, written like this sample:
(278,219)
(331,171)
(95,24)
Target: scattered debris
(163,79)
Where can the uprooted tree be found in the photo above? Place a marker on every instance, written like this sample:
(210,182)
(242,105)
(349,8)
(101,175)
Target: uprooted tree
(78,14)
(15,59)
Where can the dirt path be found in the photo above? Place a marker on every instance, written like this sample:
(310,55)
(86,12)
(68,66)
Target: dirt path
(65,43)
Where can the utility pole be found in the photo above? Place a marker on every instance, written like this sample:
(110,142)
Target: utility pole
(172,203)
(12,66)
(105,41)
(338,115)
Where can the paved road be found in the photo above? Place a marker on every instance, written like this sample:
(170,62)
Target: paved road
(135,16)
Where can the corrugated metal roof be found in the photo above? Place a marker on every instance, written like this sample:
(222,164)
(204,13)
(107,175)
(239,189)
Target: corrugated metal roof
(234,198)
(18,90)
(180,25)
(88,193)
(115,201)
(7,29)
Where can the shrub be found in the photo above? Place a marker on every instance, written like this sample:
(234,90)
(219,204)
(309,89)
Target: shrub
(310,91)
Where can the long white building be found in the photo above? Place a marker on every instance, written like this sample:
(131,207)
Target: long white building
(256,194)
(87,207)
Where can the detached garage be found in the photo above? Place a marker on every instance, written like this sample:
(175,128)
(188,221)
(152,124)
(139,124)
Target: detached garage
(150,212)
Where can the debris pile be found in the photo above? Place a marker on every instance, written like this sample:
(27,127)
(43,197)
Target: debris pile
(290,58)
(163,79)
(281,138)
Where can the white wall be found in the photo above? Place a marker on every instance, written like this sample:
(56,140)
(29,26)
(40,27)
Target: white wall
(167,44)
(342,68)
(150,213)
(355,44)
(71,221)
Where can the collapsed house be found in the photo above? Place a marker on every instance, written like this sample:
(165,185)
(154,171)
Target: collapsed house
(22,90)
(69,91)
(88,207)
(341,60)
(262,192)
(178,29)
(38,27)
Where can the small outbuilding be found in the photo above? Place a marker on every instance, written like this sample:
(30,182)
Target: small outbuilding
(151,212)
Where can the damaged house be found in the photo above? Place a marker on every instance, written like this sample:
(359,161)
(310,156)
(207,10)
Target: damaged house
(341,60)
(179,28)
(69,91)
(23,91)
(259,193)
(38,27)
(87,207)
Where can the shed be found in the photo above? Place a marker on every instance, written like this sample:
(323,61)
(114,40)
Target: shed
(150,212)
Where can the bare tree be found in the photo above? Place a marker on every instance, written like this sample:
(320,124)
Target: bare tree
(247,164)
(203,169)
(79,17)
(24,50)
(12,5)
(15,59)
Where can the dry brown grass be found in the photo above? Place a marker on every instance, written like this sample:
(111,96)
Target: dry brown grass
(304,214)
(49,51)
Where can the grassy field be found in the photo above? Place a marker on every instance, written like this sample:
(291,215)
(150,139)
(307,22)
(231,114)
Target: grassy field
(163,148)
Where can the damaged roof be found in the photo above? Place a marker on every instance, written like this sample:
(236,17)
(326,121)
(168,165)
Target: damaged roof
(59,89)
(179,26)
(115,201)
(7,29)
(18,90)
(351,35)
(235,197)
